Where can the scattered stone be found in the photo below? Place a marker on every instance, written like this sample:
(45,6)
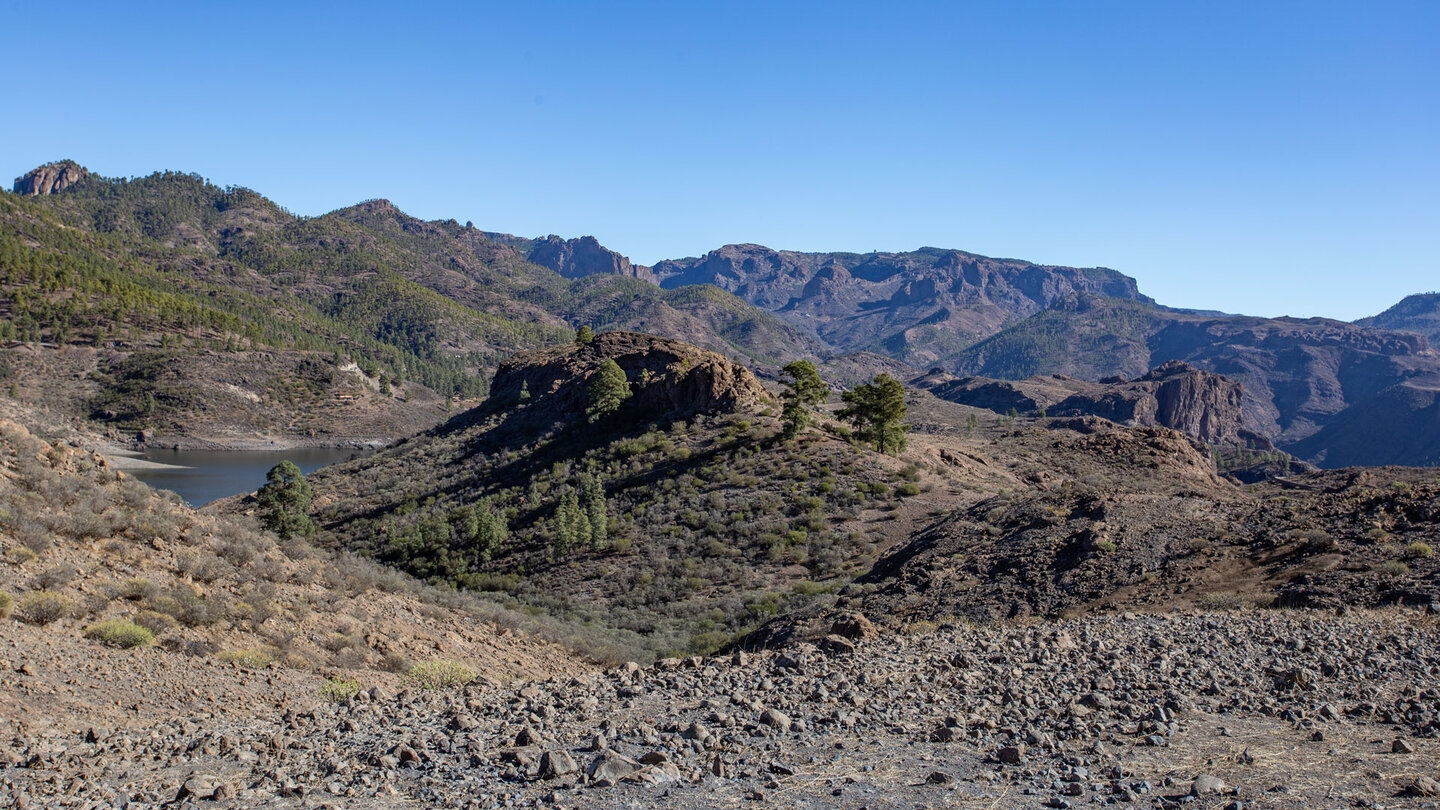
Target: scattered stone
(203,787)
(1011,754)
(555,764)
(776,720)
(1206,784)
(610,768)
(1424,786)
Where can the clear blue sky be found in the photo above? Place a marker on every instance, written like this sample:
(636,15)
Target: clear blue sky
(1269,158)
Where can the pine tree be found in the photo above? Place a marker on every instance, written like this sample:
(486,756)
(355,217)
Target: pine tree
(490,529)
(805,391)
(592,498)
(584,335)
(608,389)
(571,525)
(285,502)
(877,410)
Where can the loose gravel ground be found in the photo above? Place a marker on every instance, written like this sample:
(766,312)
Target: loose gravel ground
(1282,709)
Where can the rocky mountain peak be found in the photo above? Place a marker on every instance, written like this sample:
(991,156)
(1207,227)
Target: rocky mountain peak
(667,377)
(585,256)
(52,178)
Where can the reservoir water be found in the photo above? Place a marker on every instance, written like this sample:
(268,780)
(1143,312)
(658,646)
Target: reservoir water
(202,476)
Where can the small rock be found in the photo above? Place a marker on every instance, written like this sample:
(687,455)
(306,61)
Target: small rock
(203,787)
(939,778)
(1011,754)
(776,720)
(555,764)
(609,768)
(1205,784)
(1424,786)
(1401,746)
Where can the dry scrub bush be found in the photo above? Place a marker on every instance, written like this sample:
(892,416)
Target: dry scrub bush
(439,674)
(44,607)
(252,658)
(138,590)
(120,633)
(1416,551)
(157,623)
(339,690)
(7,604)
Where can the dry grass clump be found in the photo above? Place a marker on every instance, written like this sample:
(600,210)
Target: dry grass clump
(440,674)
(44,607)
(1416,551)
(120,633)
(252,658)
(7,605)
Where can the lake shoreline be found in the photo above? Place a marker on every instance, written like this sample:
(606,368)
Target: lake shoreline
(201,477)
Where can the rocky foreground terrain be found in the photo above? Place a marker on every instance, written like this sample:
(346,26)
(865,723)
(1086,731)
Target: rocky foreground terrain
(1250,709)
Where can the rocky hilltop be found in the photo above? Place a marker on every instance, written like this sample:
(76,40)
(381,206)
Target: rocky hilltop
(1416,313)
(1205,406)
(52,178)
(665,376)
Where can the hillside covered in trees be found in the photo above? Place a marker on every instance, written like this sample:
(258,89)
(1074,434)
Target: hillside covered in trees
(291,326)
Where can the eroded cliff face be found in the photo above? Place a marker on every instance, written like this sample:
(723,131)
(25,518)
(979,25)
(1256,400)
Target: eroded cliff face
(667,377)
(52,178)
(1204,406)
(575,258)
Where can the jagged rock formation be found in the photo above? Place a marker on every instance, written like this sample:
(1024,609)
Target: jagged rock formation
(1202,405)
(52,178)
(666,376)
(575,258)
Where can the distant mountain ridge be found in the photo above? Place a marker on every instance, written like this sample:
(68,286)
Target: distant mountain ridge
(439,305)
(1304,379)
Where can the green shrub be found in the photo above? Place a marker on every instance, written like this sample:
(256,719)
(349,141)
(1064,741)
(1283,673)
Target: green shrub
(907,490)
(339,690)
(1416,551)
(252,658)
(439,673)
(7,605)
(120,633)
(44,607)
(808,588)
(1107,546)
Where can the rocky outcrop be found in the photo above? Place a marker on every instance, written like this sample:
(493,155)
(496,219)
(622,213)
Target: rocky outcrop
(667,377)
(52,178)
(1204,406)
(576,258)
